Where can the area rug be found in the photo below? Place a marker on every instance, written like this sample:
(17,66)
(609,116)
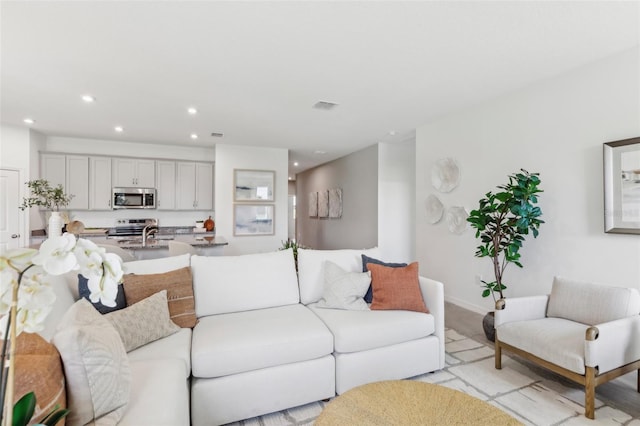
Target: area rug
(530,394)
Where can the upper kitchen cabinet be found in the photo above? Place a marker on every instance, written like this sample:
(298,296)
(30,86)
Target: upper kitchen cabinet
(194,186)
(70,171)
(166,185)
(100,183)
(134,172)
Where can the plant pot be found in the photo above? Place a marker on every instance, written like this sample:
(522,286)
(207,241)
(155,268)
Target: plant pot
(487,325)
(55,225)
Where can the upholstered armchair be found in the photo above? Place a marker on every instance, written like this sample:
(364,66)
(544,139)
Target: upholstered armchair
(585,332)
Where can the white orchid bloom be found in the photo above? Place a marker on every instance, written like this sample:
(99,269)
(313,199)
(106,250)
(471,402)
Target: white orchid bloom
(34,293)
(17,259)
(89,257)
(8,277)
(56,255)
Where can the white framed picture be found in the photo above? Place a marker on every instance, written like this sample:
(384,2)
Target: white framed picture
(253,185)
(253,219)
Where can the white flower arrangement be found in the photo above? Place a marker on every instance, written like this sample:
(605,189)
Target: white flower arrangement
(27,270)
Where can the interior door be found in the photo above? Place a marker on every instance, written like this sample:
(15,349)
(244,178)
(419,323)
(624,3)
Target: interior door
(9,212)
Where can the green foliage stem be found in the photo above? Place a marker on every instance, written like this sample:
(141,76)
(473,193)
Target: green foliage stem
(44,195)
(502,220)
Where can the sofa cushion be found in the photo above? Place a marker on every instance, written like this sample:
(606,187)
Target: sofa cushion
(597,303)
(396,288)
(344,290)
(159,394)
(38,369)
(243,341)
(224,284)
(311,268)
(355,331)
(179,287)
(156,266)
(366,260)
(557,340)
(143,322)
(175,346)
(95,364)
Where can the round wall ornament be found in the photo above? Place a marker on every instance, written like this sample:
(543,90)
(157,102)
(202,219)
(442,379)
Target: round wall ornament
(434,208)
(456,218)
(445,175)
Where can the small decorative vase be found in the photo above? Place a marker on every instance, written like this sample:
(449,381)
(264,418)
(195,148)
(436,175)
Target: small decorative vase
(487,325)
(55,225)
(209,224)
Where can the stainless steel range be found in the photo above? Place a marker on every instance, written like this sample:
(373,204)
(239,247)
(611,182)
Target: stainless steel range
(127,228)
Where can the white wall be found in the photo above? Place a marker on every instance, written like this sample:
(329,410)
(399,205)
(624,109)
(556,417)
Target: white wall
(556,127)
(396,201)
(357,175)
(228,158)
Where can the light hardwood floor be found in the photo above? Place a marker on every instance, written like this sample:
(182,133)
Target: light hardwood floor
(620,393)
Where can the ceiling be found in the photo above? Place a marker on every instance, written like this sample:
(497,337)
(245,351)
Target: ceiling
(254,70)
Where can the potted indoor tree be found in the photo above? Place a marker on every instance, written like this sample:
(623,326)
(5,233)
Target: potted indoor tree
(502,220)
(44,195)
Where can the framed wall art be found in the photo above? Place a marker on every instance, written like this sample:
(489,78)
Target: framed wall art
(253,219)
(313,204)
(622,186)
(335,203)
(253,185)
(323,203)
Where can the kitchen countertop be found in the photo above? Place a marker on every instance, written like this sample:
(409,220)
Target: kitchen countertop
(197,240)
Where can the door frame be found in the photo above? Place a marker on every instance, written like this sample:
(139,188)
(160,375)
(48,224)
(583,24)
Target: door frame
(23,222)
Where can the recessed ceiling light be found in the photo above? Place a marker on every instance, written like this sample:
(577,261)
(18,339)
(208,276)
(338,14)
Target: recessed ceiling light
(119,129)
(295,164)
(290,178)
(88,99)
(29,120)
(392,132)
(192,111)
(194,136)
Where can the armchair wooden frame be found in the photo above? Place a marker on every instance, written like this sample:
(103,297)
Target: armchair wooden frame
(589,380)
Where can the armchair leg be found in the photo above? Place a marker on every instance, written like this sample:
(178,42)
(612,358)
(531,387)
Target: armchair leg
(499,356)
(638,380)
(590,393)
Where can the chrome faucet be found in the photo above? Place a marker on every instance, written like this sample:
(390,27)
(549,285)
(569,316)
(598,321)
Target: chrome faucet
(147,232)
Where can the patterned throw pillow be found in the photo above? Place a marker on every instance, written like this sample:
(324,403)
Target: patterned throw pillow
(366,260)
(96,366)
(179,287)
(143,322)
(343,289)
(396,288)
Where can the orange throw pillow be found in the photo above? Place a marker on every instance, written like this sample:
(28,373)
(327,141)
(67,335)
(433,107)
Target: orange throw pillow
(178,283)
(39,369)
(396,288)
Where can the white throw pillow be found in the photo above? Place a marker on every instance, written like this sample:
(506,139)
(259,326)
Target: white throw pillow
(96,366)
(344,289)
(143,322)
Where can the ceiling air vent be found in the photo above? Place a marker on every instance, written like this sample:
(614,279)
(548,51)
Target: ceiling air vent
(217,135)
(325,105)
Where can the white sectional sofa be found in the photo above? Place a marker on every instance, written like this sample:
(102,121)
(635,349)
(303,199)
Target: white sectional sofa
(262,344)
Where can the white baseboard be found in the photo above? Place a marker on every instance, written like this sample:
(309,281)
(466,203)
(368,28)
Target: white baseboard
(466,305)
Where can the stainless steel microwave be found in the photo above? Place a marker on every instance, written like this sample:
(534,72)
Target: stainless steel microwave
(134,198)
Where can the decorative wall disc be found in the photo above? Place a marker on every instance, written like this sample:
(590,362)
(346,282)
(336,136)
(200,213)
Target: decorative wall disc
(456,218)
(434,207)
(445,175)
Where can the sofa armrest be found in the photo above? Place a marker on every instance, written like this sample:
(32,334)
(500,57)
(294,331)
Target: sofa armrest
(612,344)
(520,309)
(433,295)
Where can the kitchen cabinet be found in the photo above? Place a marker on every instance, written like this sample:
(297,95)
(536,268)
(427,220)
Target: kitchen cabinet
(166,185)
(194,186)
(134,173)
(70,171)
(77,181)
(100,183)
